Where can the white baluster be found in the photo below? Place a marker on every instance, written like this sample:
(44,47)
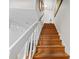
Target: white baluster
(33,39)
(30,53)
(25,51)
(33,42)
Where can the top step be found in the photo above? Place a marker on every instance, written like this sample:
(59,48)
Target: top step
(49,26)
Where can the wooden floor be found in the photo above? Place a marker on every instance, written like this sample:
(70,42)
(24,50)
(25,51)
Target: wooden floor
(50,46)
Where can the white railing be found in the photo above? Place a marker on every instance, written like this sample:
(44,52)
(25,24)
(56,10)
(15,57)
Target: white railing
(32,42)
(25,46)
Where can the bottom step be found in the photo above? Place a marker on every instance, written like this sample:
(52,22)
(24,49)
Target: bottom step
(49,55)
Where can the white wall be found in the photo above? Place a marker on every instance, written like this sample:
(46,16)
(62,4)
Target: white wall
(62,22)
(49,10)
(22,4)
(22,14)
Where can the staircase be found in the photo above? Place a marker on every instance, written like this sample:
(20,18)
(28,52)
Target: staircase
(49,45)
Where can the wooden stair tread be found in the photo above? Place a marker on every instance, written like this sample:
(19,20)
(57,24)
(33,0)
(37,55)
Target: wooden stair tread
(49,54)
(50,46)
(49,38)
(51,41)
(49,34)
